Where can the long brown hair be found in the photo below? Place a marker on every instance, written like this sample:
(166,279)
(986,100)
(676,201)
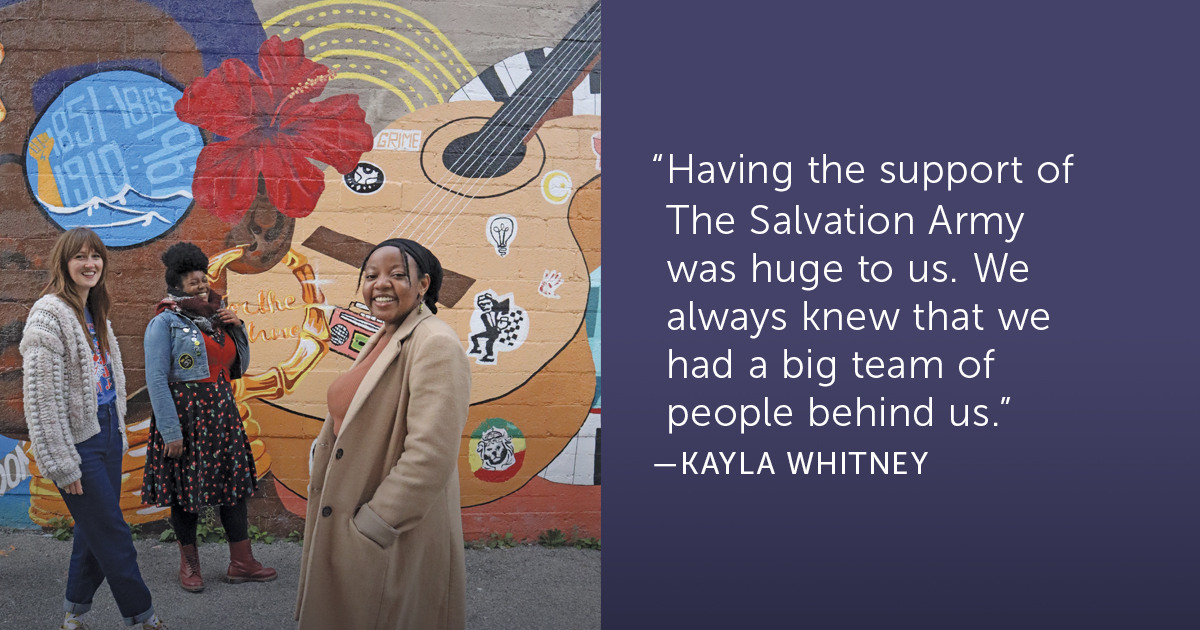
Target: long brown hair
(70,243)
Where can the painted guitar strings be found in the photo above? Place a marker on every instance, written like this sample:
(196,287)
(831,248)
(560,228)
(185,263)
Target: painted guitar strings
(588,28)
(591,24)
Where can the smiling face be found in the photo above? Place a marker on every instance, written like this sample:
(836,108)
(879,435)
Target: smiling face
(86,268)
(195,284)
(390,285)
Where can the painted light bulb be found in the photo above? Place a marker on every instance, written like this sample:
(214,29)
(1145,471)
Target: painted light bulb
(501,230)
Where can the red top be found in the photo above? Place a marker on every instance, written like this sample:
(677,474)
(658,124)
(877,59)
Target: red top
(220,358)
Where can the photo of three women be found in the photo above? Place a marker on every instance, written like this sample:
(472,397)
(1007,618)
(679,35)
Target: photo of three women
(383,535)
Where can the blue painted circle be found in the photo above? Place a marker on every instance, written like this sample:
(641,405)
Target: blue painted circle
(121,162)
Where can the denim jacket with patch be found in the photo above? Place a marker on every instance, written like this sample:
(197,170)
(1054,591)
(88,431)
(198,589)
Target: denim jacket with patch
(173,356)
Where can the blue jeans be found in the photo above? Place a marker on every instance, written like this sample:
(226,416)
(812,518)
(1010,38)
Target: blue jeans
(103,546)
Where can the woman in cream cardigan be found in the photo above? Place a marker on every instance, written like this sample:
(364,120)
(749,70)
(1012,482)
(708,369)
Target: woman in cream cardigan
(75,409)
(383,543)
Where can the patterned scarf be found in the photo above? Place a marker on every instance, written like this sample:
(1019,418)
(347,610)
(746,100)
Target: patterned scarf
(201,312)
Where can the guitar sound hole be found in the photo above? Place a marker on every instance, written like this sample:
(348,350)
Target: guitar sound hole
(467,158)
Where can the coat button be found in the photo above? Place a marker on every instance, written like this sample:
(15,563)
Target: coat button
(338,454)
(326,511)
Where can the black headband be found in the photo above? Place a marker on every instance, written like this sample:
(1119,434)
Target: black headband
(426,262)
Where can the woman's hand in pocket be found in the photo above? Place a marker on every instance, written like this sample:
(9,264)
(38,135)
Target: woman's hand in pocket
(174,449)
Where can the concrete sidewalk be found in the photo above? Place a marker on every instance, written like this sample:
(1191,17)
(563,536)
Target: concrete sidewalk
(524,588)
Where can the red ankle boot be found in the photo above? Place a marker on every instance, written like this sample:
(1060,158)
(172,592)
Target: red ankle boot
(189,569)
(244,568)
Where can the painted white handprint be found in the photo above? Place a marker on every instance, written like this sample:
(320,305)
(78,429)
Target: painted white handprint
(551,280)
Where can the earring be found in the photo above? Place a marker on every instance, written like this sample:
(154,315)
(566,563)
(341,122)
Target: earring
(420,303)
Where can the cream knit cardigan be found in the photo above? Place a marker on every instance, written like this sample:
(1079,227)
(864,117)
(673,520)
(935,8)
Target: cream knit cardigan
(60,388)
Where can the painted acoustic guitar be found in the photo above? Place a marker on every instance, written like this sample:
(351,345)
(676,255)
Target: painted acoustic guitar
(488,193)
(488,187)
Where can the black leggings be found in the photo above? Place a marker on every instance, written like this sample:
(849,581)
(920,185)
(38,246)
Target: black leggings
(233,518)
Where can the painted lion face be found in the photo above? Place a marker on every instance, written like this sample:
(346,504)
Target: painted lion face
(496,450)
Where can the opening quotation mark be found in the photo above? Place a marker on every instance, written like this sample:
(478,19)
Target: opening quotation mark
(1004,400)
(658,157)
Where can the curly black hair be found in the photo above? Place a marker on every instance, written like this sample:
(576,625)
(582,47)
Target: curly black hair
(182,259)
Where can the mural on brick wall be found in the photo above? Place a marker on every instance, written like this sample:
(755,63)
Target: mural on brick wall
(286,140)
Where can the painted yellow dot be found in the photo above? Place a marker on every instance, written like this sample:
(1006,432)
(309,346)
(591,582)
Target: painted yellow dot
(417,31)
(375,41)
(313,47)
(363,12)
(387,15)
(435,46)
(426,68)
(353,65)
(443,53)
(367,67)
(309,18)
(335,12)
(383,71)
(401,79)
(287,30)
(399,20)
(409,55)
(334,41)
(323,44)
(374,14)
(412,89)
(387,45)
(362,41)
(337,65)
(322,14)
(445,87)
(296,23)
(421,96)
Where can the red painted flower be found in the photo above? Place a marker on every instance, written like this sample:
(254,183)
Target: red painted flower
(273,128)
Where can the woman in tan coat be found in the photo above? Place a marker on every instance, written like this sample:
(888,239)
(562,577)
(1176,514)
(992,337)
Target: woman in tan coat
(383,544)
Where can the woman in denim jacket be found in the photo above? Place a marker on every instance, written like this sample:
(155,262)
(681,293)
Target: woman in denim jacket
(199,454)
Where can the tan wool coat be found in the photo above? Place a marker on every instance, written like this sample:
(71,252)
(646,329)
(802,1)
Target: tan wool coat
(383,544)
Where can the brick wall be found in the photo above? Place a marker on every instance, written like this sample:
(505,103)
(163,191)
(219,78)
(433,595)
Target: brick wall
(91,135)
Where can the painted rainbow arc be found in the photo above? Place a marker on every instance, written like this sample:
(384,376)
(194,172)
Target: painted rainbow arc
(378,43)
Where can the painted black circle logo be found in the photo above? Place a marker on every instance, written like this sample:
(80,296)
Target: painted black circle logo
(365,179)
(186,361)
(339,334)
